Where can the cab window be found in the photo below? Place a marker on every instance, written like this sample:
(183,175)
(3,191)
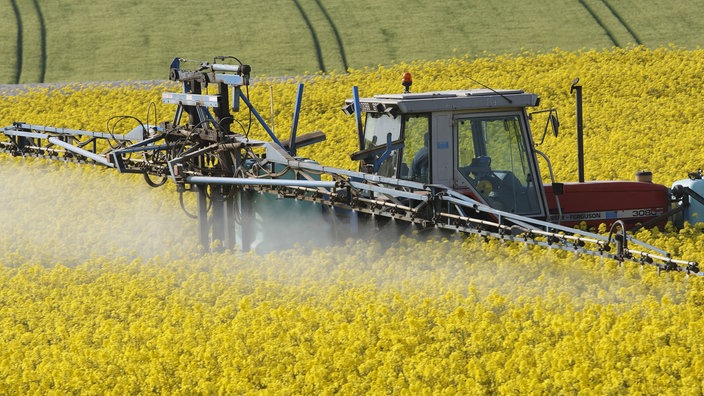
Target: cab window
(379,130)
(415,164)
(493,156)
(408,137)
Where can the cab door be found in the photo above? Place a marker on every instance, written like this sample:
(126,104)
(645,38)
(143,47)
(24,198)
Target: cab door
(495,163)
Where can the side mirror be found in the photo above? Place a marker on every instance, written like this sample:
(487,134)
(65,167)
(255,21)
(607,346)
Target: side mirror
(554,122)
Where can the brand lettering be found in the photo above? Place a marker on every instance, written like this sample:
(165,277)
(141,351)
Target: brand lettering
(585,216)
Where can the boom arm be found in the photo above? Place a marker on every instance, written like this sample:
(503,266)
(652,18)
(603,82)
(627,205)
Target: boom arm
(444,208)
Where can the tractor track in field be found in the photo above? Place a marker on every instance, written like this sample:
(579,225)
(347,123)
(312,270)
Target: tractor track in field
(336,33)
(612,11)
(599,22)
(20,52)
(42,41)
(621,20)
(314,35)
(18,61)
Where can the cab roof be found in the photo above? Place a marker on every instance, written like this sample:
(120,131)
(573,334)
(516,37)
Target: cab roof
(471,99)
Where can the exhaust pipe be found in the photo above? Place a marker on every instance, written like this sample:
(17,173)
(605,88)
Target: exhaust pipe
(580,128)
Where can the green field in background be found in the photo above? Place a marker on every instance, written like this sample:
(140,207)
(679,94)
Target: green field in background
(100,40)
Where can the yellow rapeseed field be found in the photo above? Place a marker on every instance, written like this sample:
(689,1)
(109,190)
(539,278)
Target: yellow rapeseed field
(102,290)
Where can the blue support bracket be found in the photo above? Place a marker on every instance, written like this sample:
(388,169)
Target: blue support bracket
(358,116)
(389,148)
(294,125)
(261,121)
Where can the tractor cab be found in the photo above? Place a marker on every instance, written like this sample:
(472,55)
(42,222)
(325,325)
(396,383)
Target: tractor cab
(477,142)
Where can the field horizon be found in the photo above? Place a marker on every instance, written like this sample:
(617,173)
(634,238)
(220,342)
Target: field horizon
(77,40)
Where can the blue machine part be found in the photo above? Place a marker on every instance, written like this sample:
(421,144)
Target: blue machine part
(694,213)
